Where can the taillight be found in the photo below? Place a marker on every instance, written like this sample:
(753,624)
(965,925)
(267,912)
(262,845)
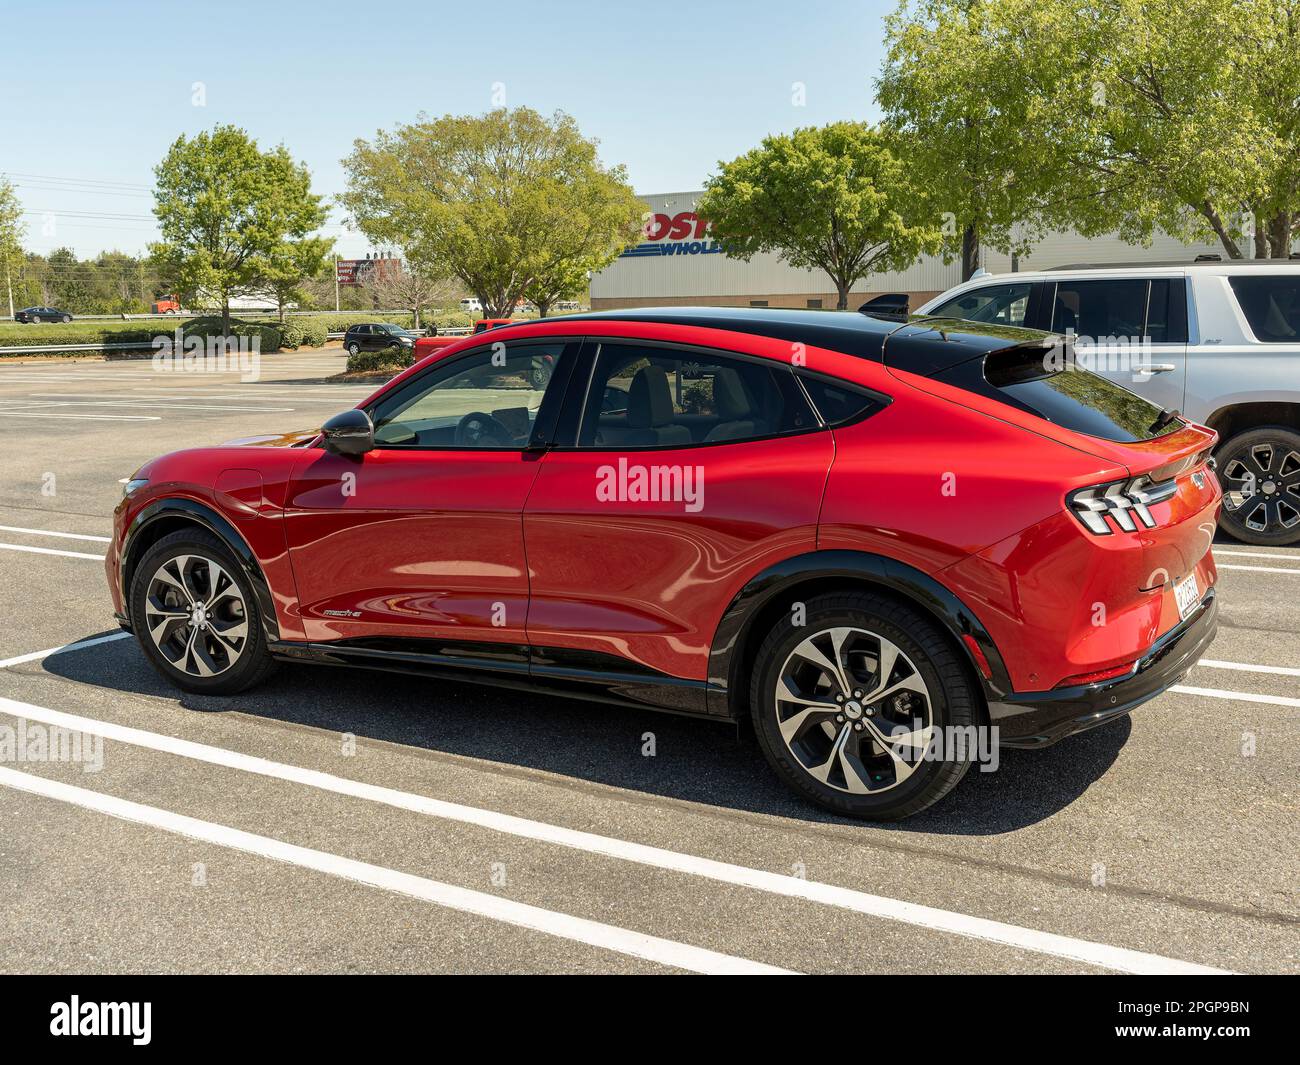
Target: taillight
(1126,503)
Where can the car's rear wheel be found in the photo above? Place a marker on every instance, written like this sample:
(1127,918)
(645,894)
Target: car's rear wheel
(354,348)
(855,707)
(1260,474)
(195,614)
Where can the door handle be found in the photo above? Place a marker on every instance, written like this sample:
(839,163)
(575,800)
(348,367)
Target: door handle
(1158,367)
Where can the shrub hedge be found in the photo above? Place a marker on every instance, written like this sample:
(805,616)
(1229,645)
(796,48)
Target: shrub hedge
(392,359)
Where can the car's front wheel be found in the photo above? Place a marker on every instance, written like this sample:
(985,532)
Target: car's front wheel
(195,614)
(1260,474)
(855,707)
(354,348)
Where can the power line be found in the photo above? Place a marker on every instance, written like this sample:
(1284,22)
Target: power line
(81,181)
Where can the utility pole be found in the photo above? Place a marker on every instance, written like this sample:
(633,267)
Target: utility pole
(9,284)
(336,284)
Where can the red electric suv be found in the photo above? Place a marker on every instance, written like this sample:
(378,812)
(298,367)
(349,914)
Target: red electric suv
(872,537)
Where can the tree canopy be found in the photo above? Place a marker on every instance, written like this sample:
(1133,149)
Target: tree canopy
(497,201)
(1119,116)
(226,211)
(834,198)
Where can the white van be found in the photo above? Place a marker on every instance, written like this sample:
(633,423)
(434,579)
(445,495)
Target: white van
(470,305)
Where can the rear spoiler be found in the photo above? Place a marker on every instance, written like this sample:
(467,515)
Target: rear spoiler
(892,307)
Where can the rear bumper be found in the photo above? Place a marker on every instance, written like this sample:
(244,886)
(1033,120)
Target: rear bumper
(1037,719)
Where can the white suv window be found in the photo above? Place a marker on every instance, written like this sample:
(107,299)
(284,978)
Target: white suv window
(1271,305)
(999,304)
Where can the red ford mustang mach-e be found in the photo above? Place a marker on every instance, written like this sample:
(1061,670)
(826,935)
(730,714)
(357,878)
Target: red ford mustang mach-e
(868,535)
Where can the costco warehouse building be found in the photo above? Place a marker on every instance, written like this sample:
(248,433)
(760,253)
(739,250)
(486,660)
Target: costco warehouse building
(677,263)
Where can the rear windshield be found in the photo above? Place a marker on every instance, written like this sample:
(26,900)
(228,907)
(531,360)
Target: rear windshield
(1271,305)
(1064,393)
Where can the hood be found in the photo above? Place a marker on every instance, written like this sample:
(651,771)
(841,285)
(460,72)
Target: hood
(293,438)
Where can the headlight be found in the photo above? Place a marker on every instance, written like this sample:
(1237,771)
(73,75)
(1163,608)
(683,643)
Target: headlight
(134,485)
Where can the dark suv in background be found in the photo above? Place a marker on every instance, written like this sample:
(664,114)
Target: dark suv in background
(376,336)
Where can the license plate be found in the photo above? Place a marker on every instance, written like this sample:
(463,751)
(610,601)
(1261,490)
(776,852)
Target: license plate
(1188,596)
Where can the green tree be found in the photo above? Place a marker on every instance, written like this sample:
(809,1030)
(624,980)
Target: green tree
(959,116)
(836,199)
(291,264)
(1120,116)
(497,200)
(12,232)
(566,282)
(226,209)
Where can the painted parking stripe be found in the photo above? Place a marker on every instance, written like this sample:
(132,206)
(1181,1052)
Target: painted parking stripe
(493,907)
(158,404)
(49,652)
(1241,697)
(1246,667)
(928,917)
(89,417)
(49,551)
(51,532)
(1255,554)
(1258,569)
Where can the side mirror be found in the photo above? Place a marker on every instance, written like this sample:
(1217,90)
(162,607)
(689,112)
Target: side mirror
(349,433)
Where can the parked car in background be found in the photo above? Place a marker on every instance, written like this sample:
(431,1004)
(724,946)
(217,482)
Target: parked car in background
(33,315)
(1220,341)
(470,305)
(770,541)
(376,336)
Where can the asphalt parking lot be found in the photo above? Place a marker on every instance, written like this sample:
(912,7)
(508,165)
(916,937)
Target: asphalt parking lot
(341,821)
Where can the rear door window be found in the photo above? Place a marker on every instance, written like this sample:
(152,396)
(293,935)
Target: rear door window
(1271,304)
(1102,308)
(651,396)
(999,304)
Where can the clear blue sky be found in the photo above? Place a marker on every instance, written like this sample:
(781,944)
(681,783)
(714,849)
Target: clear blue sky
(95,92)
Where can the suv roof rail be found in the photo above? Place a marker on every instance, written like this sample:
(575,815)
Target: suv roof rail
(1207,259)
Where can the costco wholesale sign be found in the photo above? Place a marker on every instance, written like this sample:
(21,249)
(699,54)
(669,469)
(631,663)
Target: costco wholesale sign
(683,233)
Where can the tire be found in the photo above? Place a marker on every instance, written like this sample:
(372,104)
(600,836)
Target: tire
(66,319)
(232,664)
(866,780)
(1270,517)
(354,348)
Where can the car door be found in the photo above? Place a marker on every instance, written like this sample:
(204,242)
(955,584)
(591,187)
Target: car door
(1131,330)
(422,538)
(663,496)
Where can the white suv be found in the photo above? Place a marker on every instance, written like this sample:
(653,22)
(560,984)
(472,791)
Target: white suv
(1217,340)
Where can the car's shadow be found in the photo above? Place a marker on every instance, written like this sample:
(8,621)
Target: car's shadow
(698,761)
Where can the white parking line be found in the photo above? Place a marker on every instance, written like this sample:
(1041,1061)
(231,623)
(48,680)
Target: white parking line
(36,656)
(159,404)
(1255,554)
(1246,667)
(1098,954)
(1244,697)
(493,907)
(50,532)
(88,417)
(49,551)
(1258,569)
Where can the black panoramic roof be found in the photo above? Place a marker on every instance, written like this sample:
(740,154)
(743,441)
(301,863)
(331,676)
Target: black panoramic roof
(923,345)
